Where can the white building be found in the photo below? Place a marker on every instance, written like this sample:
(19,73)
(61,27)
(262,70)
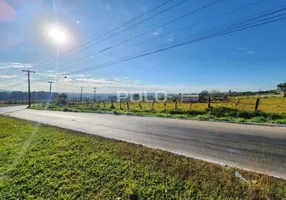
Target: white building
(190,98)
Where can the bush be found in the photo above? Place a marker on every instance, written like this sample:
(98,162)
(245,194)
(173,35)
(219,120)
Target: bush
(177,111)
(246,114)
(258,119)
(223,112)
(62,99)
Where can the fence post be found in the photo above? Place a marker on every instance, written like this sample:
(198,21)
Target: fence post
(176,105)
(112,105)
(209,102)
(191,105)
(140,106)
(120,104)
(236,104)
(153,104)
(257,104)
(165,105)
(104,104)
(127,105)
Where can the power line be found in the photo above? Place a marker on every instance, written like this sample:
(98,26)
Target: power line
(229,25)
(180,29)
(124,24)
(13,85)
(144,33)
(234,29)
(245,23)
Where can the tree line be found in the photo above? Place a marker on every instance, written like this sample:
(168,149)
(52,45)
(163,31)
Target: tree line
(23,96)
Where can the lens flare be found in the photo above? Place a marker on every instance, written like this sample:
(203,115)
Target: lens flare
(58,35)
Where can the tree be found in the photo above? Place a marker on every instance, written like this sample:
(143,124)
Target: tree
(62,99)
(214,94)
(282,88)
(204,93)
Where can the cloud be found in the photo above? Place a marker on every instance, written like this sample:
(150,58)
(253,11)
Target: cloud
(7,76)
(14,65)
(52,75)
(97,81)
(157,31)
(81,75)
(49,71)
(250,52)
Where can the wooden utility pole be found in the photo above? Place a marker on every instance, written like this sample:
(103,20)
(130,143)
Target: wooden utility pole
(29,90)
(81,88)
(50,82)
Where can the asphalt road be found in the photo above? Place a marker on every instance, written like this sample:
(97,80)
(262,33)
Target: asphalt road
(256,148)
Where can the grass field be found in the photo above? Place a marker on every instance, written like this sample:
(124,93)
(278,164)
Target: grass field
(53,163)
(271,110)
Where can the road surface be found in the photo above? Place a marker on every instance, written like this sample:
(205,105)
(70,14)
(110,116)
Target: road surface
(256,148)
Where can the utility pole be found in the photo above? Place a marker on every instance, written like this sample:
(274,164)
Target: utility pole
(29,91)
(81,88)
(94,90)
(50,82)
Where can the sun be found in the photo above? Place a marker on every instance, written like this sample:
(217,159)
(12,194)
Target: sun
(58,35)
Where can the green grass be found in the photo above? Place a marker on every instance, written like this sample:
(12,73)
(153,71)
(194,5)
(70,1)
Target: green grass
(213,113)
(5,105)
(62,164)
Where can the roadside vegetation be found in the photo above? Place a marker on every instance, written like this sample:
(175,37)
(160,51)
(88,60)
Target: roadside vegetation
(271,109)
(6,104)
(53,163)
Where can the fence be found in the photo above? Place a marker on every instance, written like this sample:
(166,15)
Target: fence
(243,104)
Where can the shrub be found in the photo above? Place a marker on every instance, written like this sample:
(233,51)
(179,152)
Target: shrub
(62,99)
(177,111)
(223,112)
(258,119)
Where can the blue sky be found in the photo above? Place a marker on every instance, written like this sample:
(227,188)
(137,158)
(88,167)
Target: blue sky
(251,59)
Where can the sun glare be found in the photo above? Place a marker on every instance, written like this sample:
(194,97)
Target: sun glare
(58,35)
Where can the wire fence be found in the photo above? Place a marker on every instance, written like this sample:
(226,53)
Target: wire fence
(273,104)
(248,104)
